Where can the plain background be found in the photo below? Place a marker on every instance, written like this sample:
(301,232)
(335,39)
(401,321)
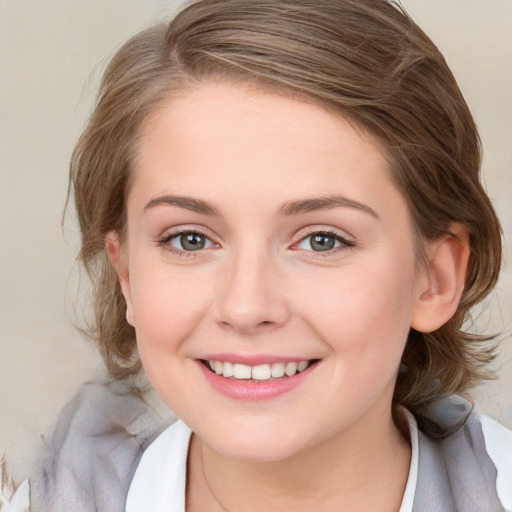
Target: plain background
(51,57)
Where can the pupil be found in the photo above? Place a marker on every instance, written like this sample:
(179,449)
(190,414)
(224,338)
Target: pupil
(322,243)
(192,241)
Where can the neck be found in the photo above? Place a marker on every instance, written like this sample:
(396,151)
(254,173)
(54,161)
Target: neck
(361,468)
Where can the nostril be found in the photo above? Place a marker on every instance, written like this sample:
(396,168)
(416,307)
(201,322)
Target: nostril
(265,324)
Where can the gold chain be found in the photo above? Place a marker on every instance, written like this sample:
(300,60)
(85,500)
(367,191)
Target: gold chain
(208,484)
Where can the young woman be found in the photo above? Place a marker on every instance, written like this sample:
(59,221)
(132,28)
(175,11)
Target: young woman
(281,213)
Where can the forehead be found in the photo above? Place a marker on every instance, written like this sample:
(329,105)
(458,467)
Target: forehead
(255,144)
(224,110)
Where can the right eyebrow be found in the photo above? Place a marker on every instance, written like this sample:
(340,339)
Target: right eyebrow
(323,203)
(189,203)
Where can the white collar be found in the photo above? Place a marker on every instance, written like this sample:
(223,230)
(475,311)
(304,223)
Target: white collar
(412,479)
(159,481)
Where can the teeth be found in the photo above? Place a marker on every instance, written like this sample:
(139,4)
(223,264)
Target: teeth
(290,369)
(277,370)
(241,371)
(302,366)
(260,372)
(227,370)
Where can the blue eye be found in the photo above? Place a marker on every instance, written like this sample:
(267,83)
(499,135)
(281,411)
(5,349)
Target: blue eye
(322,242)
(190,241)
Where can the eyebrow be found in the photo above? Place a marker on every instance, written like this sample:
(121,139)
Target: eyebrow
(288,208)
(189,203)
(323,203)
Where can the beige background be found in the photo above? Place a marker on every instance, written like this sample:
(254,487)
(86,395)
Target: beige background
(47,51)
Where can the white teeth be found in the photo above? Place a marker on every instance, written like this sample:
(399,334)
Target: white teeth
(302,366)
(242,371)
(290,369)
(228,370)
(260,372)
(277,370)
(218,367)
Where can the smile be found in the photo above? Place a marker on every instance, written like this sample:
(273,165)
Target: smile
(266,378)
(261,372)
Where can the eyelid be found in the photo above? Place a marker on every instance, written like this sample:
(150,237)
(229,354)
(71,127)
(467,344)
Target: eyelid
(178,238)
(342,237)
(326,229)
(171,233)
(345,240)
(181,230)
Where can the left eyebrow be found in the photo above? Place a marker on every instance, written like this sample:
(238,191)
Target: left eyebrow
(188,203)
(323,203)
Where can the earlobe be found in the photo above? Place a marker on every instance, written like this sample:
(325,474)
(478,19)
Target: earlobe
(442,280)
(118,261)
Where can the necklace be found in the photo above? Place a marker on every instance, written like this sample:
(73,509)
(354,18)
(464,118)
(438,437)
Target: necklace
(208,483)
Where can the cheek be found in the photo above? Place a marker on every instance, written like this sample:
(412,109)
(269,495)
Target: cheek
(364,313)
(167,308)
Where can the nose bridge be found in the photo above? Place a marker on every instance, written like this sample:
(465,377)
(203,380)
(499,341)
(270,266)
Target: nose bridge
(251,298)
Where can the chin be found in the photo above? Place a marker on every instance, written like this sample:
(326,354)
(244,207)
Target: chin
(256,445)
(256,453)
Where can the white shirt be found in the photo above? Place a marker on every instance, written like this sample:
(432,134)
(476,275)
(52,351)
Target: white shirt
(159,482)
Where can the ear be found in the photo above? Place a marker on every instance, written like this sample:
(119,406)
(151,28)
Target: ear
(441,281)
(118,260)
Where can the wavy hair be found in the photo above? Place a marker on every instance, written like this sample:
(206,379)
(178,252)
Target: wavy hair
(364,59)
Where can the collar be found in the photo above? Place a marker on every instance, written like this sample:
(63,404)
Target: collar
(159,482)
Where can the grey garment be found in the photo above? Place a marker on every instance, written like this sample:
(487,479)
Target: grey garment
(96,445)
(455,474)
(93,450)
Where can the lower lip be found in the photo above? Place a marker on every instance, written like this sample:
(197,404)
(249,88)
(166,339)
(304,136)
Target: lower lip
(254,390)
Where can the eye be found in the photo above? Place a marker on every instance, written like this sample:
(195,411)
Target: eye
(322,242)
(188,241)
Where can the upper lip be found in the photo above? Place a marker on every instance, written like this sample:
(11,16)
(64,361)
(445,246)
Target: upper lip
(253,359)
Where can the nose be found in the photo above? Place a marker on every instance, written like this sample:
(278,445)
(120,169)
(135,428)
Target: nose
(251,297)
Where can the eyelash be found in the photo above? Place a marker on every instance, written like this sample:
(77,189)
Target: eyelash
(165,242)
(345,243)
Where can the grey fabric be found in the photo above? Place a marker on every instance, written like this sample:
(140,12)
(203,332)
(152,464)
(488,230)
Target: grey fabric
(97,442)
(455,474)
(94,449)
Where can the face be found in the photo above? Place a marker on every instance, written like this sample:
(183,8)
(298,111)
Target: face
(268,269)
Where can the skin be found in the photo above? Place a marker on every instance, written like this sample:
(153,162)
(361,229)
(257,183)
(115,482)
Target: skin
(258,287)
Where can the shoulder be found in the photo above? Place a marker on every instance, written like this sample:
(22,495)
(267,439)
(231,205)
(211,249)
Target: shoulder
(94,447)
(498,443)
(471,468)
(159,482)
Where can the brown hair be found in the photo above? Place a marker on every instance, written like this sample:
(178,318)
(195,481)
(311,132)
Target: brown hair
(365,59)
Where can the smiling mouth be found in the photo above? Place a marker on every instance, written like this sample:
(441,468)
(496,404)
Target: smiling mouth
(259,373)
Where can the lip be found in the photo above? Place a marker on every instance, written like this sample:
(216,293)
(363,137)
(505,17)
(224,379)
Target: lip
(251,390)
(253,360)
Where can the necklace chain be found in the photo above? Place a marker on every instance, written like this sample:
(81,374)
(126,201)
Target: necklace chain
(208,483)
